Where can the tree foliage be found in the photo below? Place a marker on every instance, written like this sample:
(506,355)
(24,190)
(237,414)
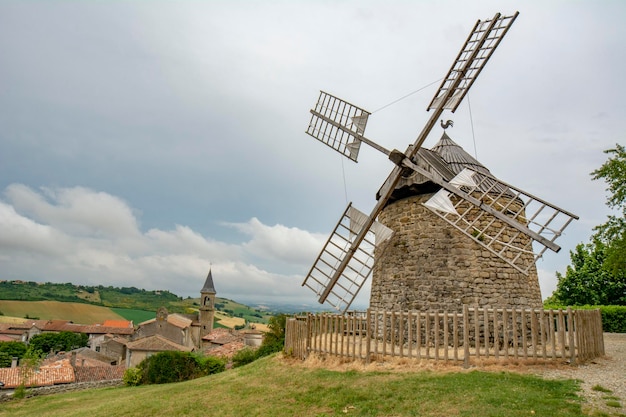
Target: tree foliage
(172,366)
(597,274)
(613,232)
(10,350)
(14,349)
(274,339)
(56,342)
(587,281)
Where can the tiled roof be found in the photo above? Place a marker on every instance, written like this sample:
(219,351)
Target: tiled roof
(227,350)
(9,330)
(84,357)
(179,321)
(63,326)
(99,373)
(120,340)
(118,323)
(173,319)
(225,339)
(58,373)
(98,329)
(156,343)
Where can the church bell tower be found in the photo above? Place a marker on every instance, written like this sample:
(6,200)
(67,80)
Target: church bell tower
(207,306)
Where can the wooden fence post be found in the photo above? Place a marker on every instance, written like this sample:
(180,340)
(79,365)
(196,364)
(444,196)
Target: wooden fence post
(466,350)
(572,326)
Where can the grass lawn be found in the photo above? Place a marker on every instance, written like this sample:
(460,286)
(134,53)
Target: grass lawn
(276,387)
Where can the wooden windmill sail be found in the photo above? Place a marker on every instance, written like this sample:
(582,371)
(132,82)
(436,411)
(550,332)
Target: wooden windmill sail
(470,201)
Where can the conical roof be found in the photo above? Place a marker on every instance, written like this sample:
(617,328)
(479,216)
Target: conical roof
(444,161)
(208,284)
(455,157)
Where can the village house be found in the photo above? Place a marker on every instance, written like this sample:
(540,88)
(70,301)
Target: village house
(116,345)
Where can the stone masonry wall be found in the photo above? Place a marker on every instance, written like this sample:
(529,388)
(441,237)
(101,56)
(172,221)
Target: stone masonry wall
(430,266)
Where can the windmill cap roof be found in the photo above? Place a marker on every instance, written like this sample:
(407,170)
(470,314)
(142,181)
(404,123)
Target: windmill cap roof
(455,156)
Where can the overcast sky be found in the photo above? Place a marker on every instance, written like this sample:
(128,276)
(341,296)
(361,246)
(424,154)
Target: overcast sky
(142,143)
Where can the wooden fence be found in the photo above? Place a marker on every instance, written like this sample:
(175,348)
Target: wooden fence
(475,333)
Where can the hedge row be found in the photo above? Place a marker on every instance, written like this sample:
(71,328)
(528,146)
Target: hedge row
(613,317)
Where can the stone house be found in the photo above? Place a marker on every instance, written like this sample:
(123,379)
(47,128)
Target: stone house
(167,332)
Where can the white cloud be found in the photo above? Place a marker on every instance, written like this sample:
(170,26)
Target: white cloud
(280,243)
(76,231)
(76,210)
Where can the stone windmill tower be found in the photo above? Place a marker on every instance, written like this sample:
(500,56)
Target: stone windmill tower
(207,306)
(428,265)
(449,233)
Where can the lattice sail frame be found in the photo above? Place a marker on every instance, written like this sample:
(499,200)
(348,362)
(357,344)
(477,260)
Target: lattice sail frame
(514,246)
(338,124)
(478,48)
(335,250)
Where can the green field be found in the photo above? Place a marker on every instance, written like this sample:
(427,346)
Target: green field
(136,316)
(275,387)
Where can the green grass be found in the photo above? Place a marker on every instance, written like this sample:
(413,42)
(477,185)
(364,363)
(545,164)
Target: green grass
(272,387)
(600,388)
(137,316)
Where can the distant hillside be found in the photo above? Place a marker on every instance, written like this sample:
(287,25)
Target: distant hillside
(125,297)
(129,302)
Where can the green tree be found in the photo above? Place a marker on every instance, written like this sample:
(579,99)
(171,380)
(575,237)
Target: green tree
(274,339)
(170,366)
(613,232)
(597,274)
(14,348)
(588,281)
(10,350)
(56,342)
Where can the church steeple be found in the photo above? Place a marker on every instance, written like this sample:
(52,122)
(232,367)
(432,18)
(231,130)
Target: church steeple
(208,284)
(207,305)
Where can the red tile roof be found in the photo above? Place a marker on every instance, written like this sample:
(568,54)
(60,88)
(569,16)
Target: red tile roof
(58,373)
(118,323)
(227,350)
(99,373)
(98,329)
(156,343)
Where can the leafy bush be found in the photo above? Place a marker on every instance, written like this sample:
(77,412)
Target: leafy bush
(166,367)
(244,357)
(132,377)
(5,360)
(20,392)
(613,317)
(14,349)
(212,365)
(273,341)
(56,342)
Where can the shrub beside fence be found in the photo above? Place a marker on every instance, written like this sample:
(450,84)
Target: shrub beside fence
(473,334)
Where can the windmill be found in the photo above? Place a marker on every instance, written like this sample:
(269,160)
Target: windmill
(500,218)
